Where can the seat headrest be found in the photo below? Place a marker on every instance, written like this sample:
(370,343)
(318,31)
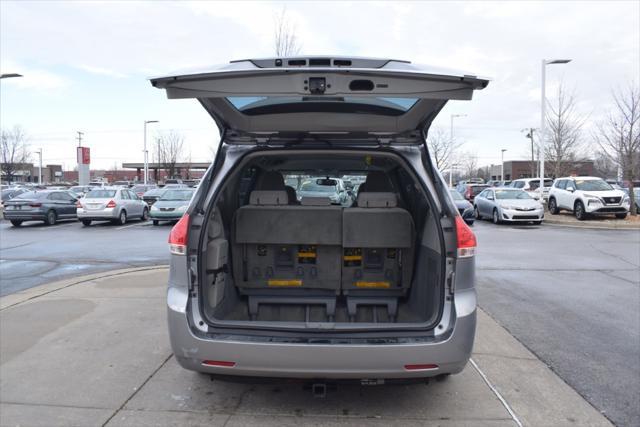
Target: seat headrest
(315,201)
(270,181)
(377,182)
(268,198)
(291,194)
(377,200)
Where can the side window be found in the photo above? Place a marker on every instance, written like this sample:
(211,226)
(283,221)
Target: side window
(54,196)
(132,196)
(519,184)
(483,193)
(570,184)
(489,194)
(124,195)
(561,184)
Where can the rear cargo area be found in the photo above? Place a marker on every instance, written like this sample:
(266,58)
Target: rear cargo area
(308,239)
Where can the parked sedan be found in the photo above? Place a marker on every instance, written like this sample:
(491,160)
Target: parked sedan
(464,207)
(141,189)
(48,206)
(508,204)
(152,196)
(111,204)
(171,206)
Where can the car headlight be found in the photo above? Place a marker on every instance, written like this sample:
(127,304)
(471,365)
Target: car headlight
(508,207)
(154,208)
(182,208)
(626,200)
(594,201)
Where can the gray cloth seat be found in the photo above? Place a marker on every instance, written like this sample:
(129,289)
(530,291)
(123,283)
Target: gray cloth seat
(377,241)
(283,250)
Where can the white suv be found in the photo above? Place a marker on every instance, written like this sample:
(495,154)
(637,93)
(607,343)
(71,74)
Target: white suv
(532,185)
(586,195)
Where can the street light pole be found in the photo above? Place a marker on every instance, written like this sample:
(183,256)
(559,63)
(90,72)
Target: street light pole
(8,76)
(451,142)
(146,152)
(502,164)
(543,118)
(40,167)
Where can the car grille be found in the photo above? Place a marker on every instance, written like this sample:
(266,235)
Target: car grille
(525,209)
(611,210)
(150,200)
(526,217)
(167,209)
(612,200)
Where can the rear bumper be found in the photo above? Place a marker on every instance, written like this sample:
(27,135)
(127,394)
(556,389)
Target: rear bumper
(24,216)
(256,358)
(98,215)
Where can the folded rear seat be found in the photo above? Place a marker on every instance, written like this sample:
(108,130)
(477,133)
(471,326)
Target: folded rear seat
(377,240)
(287,254)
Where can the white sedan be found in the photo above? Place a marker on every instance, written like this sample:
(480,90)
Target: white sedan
(111,204)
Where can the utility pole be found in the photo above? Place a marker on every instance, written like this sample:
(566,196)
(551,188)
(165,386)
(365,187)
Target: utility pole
(40,167)
(79,138)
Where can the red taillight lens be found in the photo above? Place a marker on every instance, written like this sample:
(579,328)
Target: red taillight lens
(466,239)
(111,204)
(35,205)
(78,205)
(219,363)
(179,236)
(420,367)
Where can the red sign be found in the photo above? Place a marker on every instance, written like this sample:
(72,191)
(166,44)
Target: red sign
(83,156)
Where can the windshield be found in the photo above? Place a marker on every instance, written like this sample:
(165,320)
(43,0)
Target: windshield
(512,195)
(456,195)
(177,195)
(100,194)
(311,186)
(77,189)
(592,185)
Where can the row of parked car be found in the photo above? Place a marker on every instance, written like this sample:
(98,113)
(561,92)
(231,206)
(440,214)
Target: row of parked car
(521,199)
(115,204)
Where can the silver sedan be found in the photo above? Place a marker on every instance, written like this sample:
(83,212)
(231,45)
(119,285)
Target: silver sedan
(508,205)
(111,204)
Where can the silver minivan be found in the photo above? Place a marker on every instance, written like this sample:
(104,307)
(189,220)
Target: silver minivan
(264,283)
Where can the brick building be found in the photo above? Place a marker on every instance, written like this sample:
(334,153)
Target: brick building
(514,169)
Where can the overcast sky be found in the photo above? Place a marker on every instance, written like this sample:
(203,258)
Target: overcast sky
(86,64)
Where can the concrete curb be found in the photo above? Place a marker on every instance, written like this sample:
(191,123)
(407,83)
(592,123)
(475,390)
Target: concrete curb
(31,293)
(589,225)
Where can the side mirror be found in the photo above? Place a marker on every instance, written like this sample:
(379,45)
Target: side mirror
(571,189)
(490,198)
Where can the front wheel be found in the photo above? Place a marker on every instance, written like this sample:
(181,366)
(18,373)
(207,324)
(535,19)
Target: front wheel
(581,215)
(86,222)
(50,218)
(495,217)
(16,222)
(621,215)
(145,215)
(476,213)
(553,207)
(156,222)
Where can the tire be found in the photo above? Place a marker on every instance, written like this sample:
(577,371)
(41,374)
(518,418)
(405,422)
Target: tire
(495,218)
(122,218)
(553,207)
(476,213)
(156,222)
(16,222)
(621,215)
(145,215)
(86,222)
(578,210)
(51,218)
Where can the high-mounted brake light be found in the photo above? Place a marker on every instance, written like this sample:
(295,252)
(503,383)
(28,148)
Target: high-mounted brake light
(111,204)
(466,239)
(179,236)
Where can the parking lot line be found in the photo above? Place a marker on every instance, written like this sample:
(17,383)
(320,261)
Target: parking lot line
(137,224)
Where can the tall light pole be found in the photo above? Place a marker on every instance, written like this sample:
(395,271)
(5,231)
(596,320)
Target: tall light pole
(40,167)
(502,164)
(8,76)
(451,142)
(146,152)
(543,118)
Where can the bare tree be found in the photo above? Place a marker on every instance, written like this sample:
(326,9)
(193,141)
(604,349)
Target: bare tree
(564,126)
(285,39)
(619,136)
(470,164)
(168,147)
(14,151)
(442,148)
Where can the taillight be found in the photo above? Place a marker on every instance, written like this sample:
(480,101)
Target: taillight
(179,236)
(111,204)
(78,205)
(421,367)
(219,363)
(35,205)
(466,239)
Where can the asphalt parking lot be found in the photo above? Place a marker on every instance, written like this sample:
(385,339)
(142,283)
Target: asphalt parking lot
(34,253)
(571,296)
